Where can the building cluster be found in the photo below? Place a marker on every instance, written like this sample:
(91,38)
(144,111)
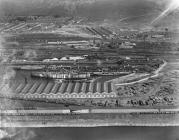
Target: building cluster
(66,89)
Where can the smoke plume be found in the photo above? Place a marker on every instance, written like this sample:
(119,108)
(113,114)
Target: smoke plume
(6,74)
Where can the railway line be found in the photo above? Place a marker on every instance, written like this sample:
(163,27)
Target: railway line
(89,111)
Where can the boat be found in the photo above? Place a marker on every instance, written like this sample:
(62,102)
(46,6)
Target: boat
(59,75)
(109,73)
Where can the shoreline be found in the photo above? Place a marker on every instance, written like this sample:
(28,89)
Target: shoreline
(84,124)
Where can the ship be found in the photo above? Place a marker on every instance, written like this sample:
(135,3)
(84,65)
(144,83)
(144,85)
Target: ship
(59,75)
(109,73)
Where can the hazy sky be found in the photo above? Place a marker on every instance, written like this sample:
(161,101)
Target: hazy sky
(39,6)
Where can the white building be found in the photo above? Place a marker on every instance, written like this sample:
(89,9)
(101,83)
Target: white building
(127,45)
(73,58)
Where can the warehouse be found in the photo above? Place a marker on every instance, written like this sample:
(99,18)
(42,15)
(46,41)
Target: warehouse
(65,90)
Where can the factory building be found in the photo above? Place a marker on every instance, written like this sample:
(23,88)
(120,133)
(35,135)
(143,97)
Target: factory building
(64,90)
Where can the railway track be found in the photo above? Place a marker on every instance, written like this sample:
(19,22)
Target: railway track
(88,111)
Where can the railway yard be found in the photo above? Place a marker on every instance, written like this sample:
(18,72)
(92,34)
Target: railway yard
(74,66)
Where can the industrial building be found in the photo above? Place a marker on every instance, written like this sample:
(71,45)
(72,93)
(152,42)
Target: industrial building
(66,89)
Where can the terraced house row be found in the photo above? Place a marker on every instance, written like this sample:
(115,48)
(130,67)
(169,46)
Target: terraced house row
(64,90)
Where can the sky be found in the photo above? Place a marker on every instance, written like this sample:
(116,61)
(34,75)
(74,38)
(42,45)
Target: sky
(89,8)
(21,6)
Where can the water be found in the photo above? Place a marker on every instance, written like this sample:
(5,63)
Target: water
(100,133)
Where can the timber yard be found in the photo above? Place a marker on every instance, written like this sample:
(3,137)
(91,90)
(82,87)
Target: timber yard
(56,71)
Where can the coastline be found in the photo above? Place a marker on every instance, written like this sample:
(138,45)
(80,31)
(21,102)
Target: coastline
(93,120)
(85,124)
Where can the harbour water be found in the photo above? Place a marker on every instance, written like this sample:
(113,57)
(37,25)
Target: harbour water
(98,133)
